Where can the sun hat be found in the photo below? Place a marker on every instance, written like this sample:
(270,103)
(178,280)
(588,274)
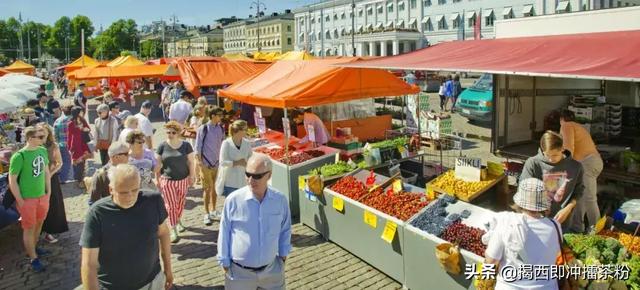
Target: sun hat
(531,195)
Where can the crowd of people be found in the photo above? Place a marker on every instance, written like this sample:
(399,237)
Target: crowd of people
(140,190)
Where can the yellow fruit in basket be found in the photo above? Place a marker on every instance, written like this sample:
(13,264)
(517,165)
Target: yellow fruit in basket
(461,188)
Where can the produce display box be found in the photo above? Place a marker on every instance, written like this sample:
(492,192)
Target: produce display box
(421,266)
(348,229)
(284,177)
(466,198)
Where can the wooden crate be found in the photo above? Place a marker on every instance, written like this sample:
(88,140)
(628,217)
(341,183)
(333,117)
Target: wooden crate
(471,197)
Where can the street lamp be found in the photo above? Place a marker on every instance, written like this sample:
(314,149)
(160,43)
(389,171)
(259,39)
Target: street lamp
(257,4)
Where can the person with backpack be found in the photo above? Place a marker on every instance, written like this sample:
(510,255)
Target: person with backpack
(30,184)
(209,139)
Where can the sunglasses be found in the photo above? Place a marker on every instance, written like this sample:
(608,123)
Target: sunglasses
(256,176)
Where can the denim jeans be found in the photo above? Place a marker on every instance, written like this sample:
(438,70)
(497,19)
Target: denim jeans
(66,171)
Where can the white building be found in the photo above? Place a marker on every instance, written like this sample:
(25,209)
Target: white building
(390,27)
(235,37)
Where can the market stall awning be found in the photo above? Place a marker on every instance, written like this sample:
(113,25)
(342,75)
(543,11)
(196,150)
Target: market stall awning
(606,56)
(235,56)
(196,74)
(83,61)
(295,55)
(3,72)
(126,72)
(287,84)
(128,60)
(21,67)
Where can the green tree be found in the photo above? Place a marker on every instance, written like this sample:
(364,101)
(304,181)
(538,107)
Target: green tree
(9,39)
(35,32)
(121,35)
(56,43)
(151,48)
(66,29)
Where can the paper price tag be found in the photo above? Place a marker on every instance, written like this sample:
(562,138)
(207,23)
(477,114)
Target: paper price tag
(338,203)
(259,112)
(397,186)
(389,232)
(301,182)
(370,219)
(337,158)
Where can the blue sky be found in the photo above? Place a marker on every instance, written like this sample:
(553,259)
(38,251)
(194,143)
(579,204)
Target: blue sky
(191,12)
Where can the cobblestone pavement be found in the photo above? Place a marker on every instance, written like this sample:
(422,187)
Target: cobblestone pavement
(313,263)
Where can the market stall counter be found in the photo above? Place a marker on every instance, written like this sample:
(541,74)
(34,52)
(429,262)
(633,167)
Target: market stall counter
(373,235)
(286,170)
(427,229)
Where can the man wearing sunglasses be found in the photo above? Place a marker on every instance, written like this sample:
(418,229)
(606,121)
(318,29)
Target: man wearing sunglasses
(30,184)
(255,231)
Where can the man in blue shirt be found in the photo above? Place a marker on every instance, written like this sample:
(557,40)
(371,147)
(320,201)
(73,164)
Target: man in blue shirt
(209,139)
(255,231)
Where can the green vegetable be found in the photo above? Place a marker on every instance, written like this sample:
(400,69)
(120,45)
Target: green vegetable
(593,249)
(400,141)
(634,274)
(329,170)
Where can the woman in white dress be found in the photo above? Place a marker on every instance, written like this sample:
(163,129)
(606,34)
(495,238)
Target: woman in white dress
(234,153)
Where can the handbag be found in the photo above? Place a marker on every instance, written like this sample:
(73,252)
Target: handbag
(563,283)
(103,144)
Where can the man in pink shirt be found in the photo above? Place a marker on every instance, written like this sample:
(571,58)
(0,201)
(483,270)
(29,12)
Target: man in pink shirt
(578,141)
(308,118)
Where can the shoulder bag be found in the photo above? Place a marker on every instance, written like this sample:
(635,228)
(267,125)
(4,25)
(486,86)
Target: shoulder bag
(102,143)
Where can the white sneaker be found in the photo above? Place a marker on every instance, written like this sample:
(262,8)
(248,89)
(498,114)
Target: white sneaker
(180,227)
(215,215)
(207,220)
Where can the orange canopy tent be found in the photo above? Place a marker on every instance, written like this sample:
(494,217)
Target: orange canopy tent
(287,84)
(124,72)
(128,60)
(202,73)
(21,67)
(83,61)
(3,72)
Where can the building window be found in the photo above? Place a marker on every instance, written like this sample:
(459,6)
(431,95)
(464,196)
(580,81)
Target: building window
(288,28)
(313,20)
(390,7)
(360,13)
(563,7)
(472,21)
(413,4)
(343,16)
(456,1)
(427,26)
(489,19)
(455,23)
(442,24)
(426,3)
(335,34)
(370,11)
(327,35)
(401,6)
(335,16)
(327,18)
(507,13)
(289,41)
(380,10)
(442,2)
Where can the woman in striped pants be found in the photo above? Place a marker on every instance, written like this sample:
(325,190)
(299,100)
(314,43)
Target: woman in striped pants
(176,175)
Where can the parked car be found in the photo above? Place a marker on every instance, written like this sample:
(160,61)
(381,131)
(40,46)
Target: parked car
(475,102)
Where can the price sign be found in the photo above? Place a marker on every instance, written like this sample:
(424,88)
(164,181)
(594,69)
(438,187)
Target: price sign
(495,169)
(311,132)
(338,203)
(468,169)
(370,219)
(255,118)
(287,127)
(397,186)
(301,182)
(390,229)
(262,125)
(259,112)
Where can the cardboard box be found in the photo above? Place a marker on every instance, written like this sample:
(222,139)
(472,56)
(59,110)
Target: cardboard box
(589,114)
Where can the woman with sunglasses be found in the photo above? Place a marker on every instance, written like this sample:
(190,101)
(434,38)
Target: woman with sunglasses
(56,220)
(234,153)
(176,175)
(143,159)
(562,176)
(78,137)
